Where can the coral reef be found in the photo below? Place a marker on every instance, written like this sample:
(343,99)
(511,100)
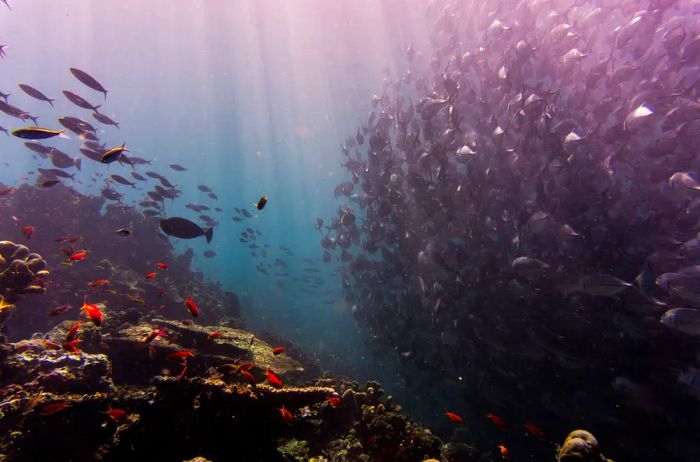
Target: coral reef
(51,398)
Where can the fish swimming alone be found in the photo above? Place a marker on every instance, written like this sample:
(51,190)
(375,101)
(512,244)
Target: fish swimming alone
(184,229)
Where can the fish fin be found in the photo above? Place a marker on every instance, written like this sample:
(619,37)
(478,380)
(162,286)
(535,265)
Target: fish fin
(209,233)
(78,163)
(105,92)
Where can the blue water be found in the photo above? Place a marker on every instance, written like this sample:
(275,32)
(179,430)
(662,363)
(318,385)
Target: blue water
(253,97)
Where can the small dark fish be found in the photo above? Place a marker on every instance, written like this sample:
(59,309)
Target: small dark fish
(139,161)
(213,196)
(79,101)
(111,194)
(178,168)
(49,183)
(2,47)
(34,93)
(203,188)
(53,173)
(38,148)
(138,177)
(104,119)
(90,154)
(124,232)
(121,180)
(184,229)
(36,133)
(246,213)
(209,254)
(153,175)
(76,125)
(165,182)
(16,112)
(62,160)
(261,203)
(88,80)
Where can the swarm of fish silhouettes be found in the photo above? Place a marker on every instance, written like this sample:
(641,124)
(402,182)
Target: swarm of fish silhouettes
(520,217)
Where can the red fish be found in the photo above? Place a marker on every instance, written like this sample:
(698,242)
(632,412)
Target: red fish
(247,375)
(27,231)
(456,418)
(160,293)
(278,350)
(150,276)
(273,379)
(500,423)
(505,452)
(78,256)
(155,333)
(6,191)
(286,415)
(93,312)
(161,265)
(73,331)
(334,401)
(71,346)
(246,366)
(118,415)
(98,283)
(59,310)
(182,374)
(215,334)
(534,430)
(181,355)
(192,307)
(54,408)
(51,345)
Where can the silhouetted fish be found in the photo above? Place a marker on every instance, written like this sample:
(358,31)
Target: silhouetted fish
(184,229)
(34,93)
(88,80)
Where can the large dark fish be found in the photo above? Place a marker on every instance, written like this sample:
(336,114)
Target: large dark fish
(16,112)
(62,160)
(184,229)
(79,101)
(34,93)
(88,80)
(121,180)
(53,173)
(40,149)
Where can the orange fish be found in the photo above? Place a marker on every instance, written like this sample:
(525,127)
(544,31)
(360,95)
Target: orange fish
(215,334)
(78,256)
(27,231)
(246,366)
(161,265)
(73,331)
(273,379)
(278,350)
(500,423)
(192,307)
(456,418)
(534,430)
(181,355)
(505,452)
(54,408)
(334,401)
(98,283)
(118,415)
(93,312)
(155,333)
(247,375)
(51,345)
(286,415)
(150,275)
(71,346)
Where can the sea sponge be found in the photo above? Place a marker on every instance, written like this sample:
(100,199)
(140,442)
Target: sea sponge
(580,446)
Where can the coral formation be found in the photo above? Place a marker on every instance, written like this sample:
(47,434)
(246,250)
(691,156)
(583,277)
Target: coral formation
(20,270)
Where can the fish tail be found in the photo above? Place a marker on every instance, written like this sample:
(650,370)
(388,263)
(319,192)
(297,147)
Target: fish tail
(78,163)
(50,101)
(96,108)
(105,92)
(209,233)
